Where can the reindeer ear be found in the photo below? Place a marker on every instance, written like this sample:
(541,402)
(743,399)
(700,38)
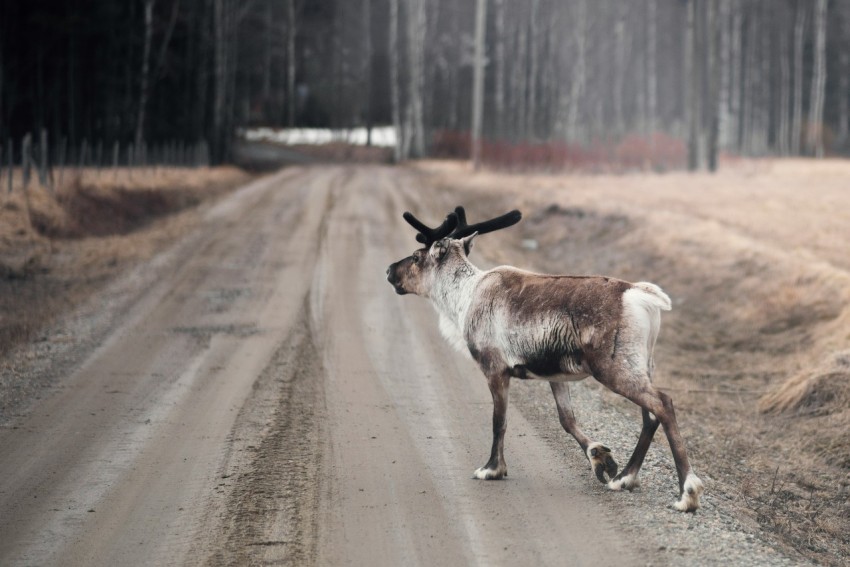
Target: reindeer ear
(467,242)
(439,249)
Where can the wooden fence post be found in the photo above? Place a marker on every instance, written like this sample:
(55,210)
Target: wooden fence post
(130,161)
(10,161)
(84,154)
(42,158)
(99,157)
(25,159)
(116,148)
(63,148)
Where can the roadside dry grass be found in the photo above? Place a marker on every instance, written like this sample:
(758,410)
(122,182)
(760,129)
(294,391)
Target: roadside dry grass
(58,247)
(756,352)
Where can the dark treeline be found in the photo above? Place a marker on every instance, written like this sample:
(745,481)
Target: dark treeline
(753,77)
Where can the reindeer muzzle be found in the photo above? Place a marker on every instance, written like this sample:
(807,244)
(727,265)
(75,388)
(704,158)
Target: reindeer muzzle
(393,279)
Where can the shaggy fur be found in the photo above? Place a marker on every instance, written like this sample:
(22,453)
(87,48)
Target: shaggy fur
(518,324)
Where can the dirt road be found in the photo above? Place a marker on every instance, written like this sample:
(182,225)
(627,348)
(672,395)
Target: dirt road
(262,396)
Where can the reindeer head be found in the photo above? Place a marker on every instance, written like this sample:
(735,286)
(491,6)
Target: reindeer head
(444,247)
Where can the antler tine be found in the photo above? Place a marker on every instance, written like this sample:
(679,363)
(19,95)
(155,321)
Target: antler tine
(428,236)
(504,221)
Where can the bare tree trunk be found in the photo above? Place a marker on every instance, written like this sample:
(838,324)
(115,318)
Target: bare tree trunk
(394,86)
(844,81)
(197,105)
(619,67)
(783,136)
(551,80)
(764,83)
(534,68)
(145,78)
(815,129)
(579,75)
(416,25)
(166,40)
(220,13)
(723,95)
(499,94)
(291,31)
(693,90)
(267,57)
(713,85)
(453,70)
(478,80)
(367,69)
(429,72)
(2,109)
(749,83)
(651,68)
(520,72)
(799,36)
(736,57)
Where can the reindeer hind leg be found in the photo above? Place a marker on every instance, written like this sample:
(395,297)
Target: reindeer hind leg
(601,461)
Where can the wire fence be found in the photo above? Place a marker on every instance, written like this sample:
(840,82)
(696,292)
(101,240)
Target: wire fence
(47,164)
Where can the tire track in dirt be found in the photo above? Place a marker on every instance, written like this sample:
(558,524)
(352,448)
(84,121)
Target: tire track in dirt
(271,512)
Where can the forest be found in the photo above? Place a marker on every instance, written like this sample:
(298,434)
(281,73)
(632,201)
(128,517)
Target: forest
(689,78)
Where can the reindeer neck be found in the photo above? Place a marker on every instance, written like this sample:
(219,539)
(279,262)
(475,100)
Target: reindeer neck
(452,292)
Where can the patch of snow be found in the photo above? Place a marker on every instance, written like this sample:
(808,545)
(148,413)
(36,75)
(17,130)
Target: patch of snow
(382,136)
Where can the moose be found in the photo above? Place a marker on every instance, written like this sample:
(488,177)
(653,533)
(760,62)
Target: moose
(558,328)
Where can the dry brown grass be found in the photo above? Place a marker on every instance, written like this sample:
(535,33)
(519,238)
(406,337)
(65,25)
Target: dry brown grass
(59,246)
(756,352)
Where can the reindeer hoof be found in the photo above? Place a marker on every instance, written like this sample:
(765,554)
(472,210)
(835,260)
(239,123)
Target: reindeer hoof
(624,482)
(601,461)
(485,473)
(689,501)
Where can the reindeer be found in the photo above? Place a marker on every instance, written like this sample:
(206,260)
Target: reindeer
(518,324)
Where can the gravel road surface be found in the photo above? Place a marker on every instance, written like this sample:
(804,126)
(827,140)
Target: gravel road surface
(257,394)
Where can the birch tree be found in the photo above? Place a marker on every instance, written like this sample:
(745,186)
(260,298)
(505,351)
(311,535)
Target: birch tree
(395,101)
(579,74)
(478,81)
(291,31)
(651,65)
(815,129)
(500,63)
(416,26)
(367,68)
(693,55)
(145,73)
(843,132)
(799,36)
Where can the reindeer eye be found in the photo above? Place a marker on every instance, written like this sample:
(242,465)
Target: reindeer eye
(415,258)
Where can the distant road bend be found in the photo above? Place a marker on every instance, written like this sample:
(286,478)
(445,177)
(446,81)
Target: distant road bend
(269,399)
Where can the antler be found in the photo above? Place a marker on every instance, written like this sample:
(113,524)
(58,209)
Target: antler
(455,226)
(428,236)
(463,229)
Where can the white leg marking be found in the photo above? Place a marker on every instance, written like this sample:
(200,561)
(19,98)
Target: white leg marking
(690,495)
(628,482)
(489,474)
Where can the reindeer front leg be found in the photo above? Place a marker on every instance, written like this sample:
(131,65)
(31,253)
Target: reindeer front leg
(496,468)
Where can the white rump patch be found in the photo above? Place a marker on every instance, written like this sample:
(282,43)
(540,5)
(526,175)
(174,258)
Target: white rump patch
(653,295)
(642,306)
